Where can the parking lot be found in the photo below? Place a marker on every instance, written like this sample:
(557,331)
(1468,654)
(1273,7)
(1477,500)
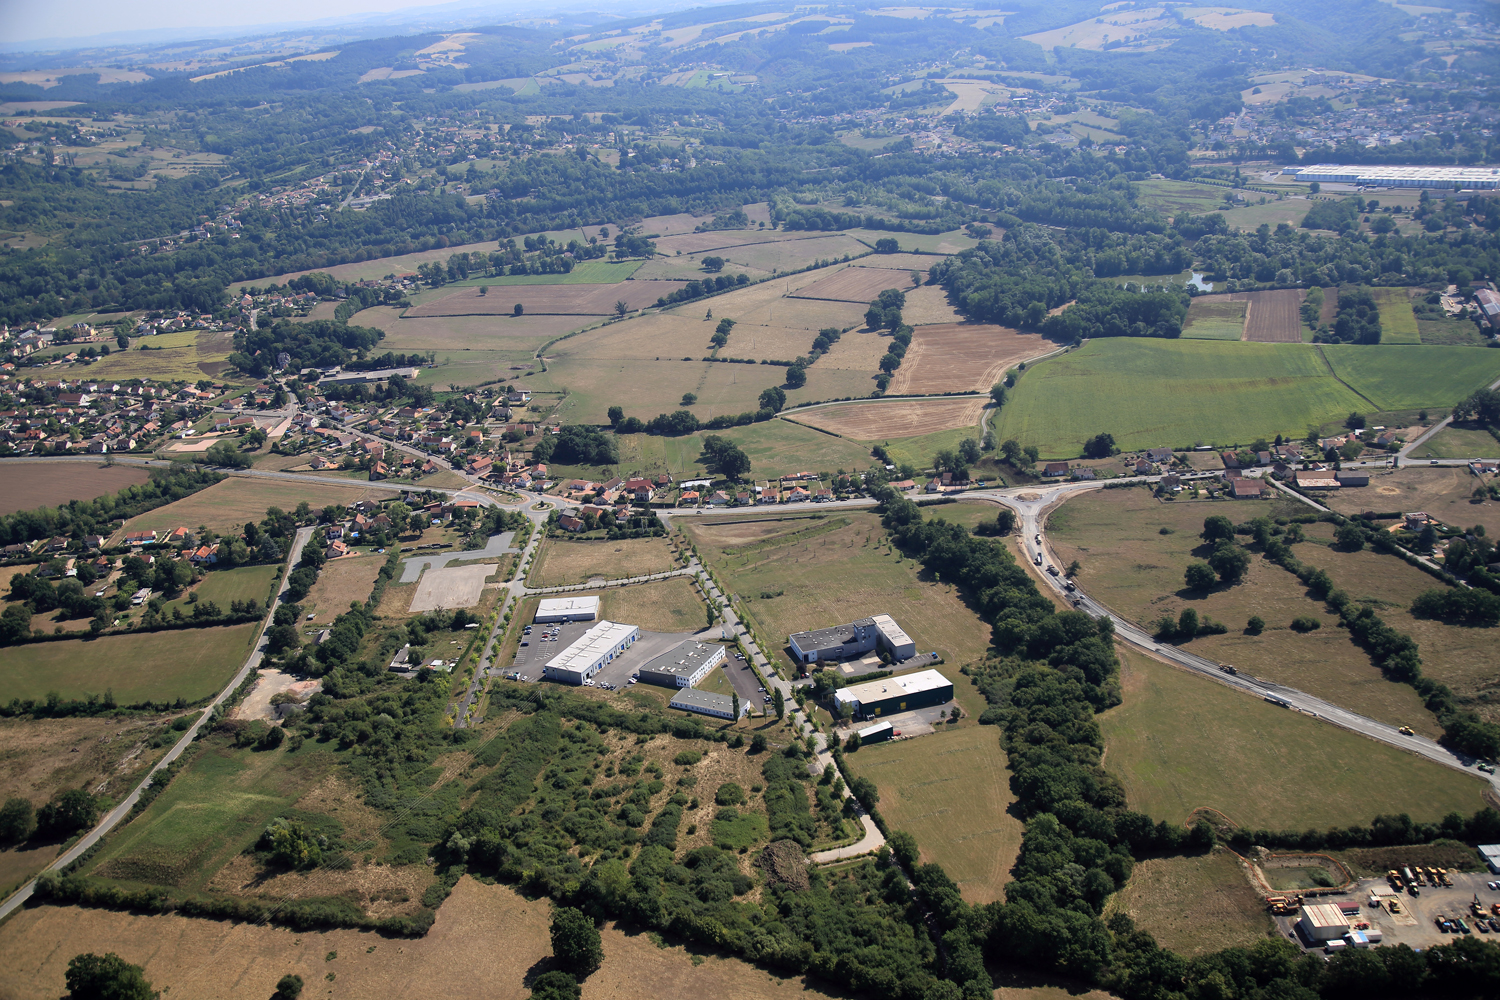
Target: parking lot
(745,683)
(538,649)
(1415,925)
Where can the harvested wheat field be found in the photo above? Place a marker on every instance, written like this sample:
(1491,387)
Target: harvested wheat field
(953,357)
(342,580)
(929,305)
(896,419)
(572,300)
(52,484)
(856,284)
(485,942)
(1274,317)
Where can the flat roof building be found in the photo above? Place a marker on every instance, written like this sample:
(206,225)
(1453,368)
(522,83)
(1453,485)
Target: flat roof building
(1449,178)
(1491,854)
(588,654)
(878,733)
(1323,922)
(567,609)
(922,689)
(707,703)
(845,642)
(684,665)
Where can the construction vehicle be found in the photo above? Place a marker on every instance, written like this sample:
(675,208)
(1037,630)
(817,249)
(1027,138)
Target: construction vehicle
(1463,928)
(1443,877)
(1410,876)
(1283,906)
(1495,909)
(1406,731)
(1395,906)
(1228,669)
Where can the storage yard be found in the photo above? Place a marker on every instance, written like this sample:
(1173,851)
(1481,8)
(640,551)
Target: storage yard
(1379,912)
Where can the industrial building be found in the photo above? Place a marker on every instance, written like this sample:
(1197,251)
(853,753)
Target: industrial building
(588,654)
(567,609)
(1491,854)
(1323,922)
(1447,178)
(1489,305)
(706,703)
(684,665)
(922,689)
(844,642)
(878,733)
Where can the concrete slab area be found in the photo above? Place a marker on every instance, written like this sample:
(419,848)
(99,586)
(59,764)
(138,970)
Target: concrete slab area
(497,546)
(450,588)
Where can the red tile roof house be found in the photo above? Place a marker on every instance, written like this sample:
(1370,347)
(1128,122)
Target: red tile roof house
(1230,460)
(689,499)
(569,523)
(1246,489)
(641,489)
(337,549)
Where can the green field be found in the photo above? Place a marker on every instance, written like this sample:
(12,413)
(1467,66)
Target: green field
(1398,324)
(919,451)
(212,811)
(590,272)
(244,583)
(1217,320)
(1181,742)
(1151,393)
(1174,197)
(1412,377)
(191,664)
(951,791)
(187,356)
(1459,442)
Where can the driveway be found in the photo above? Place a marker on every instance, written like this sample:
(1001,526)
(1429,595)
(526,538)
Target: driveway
(497,546)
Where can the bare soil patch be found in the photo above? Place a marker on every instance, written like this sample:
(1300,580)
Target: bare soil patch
(855,284)
(907,418)
(954,357)
(50,484)
(451,587)
(563,300)
(1274,317)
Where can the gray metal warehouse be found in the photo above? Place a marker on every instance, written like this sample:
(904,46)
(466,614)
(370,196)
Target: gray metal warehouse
(922,689)
(684,665)
(844,642)
(707,703)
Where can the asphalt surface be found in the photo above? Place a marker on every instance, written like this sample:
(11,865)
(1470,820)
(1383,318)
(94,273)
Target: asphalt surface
(119,812)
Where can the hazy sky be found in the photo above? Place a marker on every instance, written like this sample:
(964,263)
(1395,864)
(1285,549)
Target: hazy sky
(22,20)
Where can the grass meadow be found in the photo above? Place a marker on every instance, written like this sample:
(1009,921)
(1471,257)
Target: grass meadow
(1455,441)
(187,356)
(793,575)
(226,506)
(563,561)
(1194,904)
(1138,572)
(1215,320)
(1180,742)
(1150,393)
(1398,324)
(156,666)
(951,791)
(243,583)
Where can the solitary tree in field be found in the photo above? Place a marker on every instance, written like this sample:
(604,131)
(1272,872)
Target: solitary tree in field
(575,941)
(106,977)
(517,309)
(621,308)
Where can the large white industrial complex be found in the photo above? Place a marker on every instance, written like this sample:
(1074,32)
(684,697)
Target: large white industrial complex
(922,689)
(684,665)
(567,609)
(588,654)
(844,642)
(1448,178)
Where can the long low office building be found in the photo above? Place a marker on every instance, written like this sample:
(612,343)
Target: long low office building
(567,609)
(890,695)
(720,706)
(845,642)
(589,653)
(1447,178)
(684,665)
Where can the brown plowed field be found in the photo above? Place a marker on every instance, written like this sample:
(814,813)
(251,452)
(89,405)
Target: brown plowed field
(1273,316)
(855,284)
(539,300)
(958,357)
(896,419)
(50,484)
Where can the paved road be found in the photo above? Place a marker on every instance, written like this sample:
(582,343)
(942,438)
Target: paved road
(114,816)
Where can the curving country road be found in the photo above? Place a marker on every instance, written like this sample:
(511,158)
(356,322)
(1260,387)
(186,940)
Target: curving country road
(119,812)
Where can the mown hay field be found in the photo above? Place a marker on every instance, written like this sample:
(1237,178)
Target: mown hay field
(832,571)
(51,484)
(1194,904)
(665,606)
(341,581)
(1133,569)
(1150,393)
(519,334)
(457,960)
(1182,742)
(191,664)
(959,357)
(856,284)
(227,505)
(187,356)
(894,419)
(563,561)
(1398,323)
(951,791)
(554,300)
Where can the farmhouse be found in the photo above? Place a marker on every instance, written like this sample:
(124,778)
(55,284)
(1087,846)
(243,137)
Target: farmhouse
(843,642)
(706,703)
(922,689)
(684,665)
(588,654)
(567,609)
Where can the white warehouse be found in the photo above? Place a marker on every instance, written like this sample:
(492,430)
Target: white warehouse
(588,654)
(567,609)
(1447,178)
